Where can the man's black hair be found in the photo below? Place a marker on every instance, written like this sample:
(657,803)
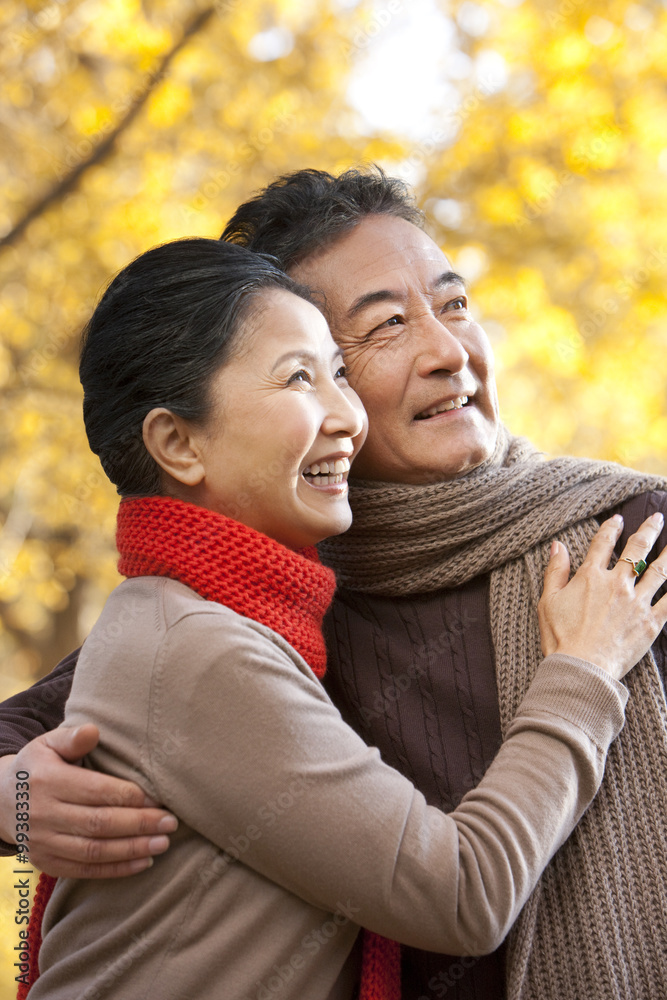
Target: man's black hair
(304,211)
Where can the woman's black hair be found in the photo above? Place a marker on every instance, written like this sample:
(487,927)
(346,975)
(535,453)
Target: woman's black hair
(162,329)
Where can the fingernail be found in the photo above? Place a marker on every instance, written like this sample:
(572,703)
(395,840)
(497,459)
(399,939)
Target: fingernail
(140,865)
(554,548)
(618,517)
(156,845)
(657,519)
(168,824)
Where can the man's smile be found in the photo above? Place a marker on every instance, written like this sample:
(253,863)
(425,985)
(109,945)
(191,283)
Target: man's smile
(455,403)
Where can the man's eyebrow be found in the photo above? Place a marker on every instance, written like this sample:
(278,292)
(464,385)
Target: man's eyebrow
(450,278)
(386,295)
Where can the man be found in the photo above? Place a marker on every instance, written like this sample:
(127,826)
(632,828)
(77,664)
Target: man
(433,635)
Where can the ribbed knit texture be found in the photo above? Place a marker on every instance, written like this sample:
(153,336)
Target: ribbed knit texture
(594,928)
(380,968)
(42,895)
(227,562)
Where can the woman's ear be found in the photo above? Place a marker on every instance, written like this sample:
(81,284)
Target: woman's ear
(174,444)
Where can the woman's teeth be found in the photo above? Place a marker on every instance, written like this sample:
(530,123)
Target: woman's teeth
(328,473)
(450,404)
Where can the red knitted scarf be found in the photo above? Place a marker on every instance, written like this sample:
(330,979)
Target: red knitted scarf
(232,564)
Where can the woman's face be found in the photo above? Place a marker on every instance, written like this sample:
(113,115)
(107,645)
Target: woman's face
(284,427)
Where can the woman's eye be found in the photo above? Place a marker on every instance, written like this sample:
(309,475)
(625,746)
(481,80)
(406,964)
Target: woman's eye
(301,376)
(342,372)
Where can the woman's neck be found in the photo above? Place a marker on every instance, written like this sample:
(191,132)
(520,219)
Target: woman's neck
(230,563)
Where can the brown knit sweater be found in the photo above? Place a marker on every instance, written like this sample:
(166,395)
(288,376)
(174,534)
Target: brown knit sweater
(415,676)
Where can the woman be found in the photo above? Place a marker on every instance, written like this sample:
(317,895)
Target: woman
(217,402)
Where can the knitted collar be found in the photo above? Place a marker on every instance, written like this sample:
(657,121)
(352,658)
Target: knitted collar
(413,539)
(232,564)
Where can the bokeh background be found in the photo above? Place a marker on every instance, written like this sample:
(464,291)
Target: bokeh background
(534,133)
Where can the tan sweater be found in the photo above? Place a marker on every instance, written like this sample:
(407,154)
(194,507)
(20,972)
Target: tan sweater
(218,718)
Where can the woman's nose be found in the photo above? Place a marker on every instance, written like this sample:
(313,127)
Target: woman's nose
(345,413)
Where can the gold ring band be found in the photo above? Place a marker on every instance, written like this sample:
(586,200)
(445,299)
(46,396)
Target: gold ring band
(638,565)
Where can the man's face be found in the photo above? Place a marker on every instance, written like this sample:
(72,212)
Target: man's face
(413,351)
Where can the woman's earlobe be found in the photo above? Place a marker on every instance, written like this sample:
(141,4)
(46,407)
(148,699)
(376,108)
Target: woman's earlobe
(172,442)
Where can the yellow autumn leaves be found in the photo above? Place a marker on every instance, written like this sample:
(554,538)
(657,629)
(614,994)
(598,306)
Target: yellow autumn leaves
(545,181)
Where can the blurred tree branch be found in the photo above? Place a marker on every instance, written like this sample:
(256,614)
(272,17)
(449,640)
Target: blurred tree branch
(106,147)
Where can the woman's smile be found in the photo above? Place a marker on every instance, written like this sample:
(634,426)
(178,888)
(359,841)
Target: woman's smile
(284,427)
(328,472)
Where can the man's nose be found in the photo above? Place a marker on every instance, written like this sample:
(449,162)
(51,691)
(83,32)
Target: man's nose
(438,350)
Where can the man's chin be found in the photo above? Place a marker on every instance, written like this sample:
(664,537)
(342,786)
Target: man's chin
(435,458)
(431,470)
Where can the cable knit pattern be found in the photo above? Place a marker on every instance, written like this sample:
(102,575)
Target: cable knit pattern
(608,883)
(431,719)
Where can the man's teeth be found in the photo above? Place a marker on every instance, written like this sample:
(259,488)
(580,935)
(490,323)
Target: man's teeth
(329,473)
(450,404)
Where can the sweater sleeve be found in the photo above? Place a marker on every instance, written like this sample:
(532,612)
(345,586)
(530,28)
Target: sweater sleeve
(37,710)
(268,771)
(33,712)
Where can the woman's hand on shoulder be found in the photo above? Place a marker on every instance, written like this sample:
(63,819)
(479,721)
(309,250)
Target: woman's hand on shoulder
(605,615)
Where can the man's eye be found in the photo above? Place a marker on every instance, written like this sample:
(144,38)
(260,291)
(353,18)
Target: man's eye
(301,376)
(392,321)
(460,302)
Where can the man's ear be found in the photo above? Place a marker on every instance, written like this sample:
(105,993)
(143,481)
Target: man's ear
(173,443)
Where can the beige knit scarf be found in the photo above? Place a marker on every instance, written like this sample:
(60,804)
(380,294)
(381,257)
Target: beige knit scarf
(595,927)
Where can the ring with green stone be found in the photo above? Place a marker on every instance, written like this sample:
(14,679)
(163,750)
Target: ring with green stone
(638,565)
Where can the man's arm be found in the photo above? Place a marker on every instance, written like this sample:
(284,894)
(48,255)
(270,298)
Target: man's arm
(82,824)
(39,709)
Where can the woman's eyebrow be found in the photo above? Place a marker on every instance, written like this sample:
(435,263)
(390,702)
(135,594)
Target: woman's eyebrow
(305,357)
(298,356)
